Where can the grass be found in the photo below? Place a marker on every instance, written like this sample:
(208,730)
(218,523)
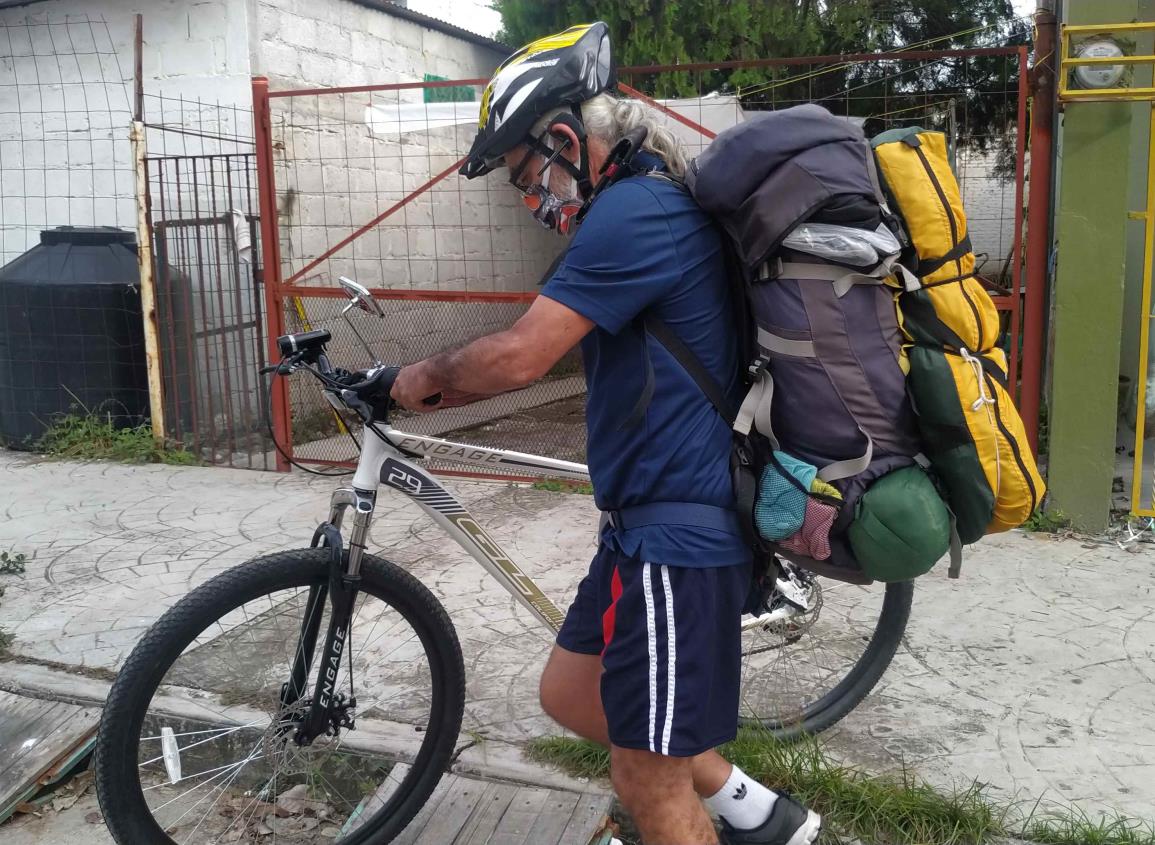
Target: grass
(1076,826)
(92,437)
(11,563)
(898,808)
(555,485)
(1047,522)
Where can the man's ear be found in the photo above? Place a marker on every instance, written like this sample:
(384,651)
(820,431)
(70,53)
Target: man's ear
(564,128)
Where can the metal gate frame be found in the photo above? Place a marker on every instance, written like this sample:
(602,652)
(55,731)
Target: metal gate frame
(277,290)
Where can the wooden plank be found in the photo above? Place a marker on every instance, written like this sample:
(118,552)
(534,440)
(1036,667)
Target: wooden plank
(411,834)
(523,810)
(34,736)
(373,803)
(456,809)
(553,818)
(479,830)
(586,819)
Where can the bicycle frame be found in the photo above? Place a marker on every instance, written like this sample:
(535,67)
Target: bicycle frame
(385,461)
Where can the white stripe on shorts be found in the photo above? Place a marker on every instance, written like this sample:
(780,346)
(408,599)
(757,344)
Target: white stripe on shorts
(672,659)
(652,637)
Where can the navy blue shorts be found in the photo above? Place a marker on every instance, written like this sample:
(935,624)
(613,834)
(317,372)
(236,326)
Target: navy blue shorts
(670,640)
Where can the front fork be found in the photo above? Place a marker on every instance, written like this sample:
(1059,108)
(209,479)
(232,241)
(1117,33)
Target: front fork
(341,590)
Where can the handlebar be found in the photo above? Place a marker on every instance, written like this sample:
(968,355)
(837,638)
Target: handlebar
(366,391)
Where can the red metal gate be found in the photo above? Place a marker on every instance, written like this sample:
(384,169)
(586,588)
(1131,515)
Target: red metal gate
(361,181)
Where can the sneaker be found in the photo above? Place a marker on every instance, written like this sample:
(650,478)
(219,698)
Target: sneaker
(789,824)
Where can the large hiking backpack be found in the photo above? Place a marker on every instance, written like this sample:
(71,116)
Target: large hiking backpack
(877,393)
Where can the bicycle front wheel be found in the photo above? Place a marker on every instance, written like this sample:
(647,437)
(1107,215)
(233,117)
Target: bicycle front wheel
(802,673)
(197,746)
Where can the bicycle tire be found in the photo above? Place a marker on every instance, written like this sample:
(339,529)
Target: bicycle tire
(836,704)
(122,801)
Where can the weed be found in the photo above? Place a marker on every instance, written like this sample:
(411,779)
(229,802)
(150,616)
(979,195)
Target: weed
(1047,522)
(92,437)
(12,563)
(578,757)
(876,808)
(555,485)
(1075,826)
(311,424)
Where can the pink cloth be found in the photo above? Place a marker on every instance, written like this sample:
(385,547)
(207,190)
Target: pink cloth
(813,538)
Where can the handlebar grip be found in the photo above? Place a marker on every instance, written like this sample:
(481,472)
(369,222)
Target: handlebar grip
(432,400)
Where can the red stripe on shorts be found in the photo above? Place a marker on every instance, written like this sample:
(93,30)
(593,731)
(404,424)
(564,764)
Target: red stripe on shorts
(611,611)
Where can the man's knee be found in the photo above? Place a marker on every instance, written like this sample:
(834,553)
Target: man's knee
(637,775)
(551,693)
(569,690)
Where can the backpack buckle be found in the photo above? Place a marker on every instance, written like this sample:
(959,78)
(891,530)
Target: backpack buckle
(758,367)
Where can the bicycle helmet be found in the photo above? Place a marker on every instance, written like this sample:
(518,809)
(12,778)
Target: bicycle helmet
(563,69)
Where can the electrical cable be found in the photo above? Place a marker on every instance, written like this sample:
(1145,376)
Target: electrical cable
(284,454)
(897,51)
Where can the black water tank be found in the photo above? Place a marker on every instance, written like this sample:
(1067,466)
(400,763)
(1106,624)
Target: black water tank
(71,332)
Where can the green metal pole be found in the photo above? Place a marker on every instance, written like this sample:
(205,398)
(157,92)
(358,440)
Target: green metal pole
(1089,286)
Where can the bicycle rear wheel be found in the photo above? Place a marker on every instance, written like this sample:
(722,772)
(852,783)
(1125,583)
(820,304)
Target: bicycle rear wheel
(804,672)
(195,745)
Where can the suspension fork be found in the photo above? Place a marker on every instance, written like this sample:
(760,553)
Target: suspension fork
(341,591)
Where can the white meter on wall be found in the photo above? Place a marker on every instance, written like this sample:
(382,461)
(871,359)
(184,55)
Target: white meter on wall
(1099,76)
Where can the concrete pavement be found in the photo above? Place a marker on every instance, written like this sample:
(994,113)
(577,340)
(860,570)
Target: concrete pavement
(1034,673)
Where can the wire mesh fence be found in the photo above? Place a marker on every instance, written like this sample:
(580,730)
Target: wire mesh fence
(64,118)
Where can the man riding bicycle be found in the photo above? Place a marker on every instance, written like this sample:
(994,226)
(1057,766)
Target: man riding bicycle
(648,660)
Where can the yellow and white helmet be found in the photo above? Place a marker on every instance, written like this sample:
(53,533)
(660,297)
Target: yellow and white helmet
(563,69)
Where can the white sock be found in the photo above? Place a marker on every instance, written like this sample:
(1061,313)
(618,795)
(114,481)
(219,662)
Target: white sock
(742,801)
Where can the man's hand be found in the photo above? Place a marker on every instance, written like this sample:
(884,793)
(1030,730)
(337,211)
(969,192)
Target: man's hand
(415,384)
(495,363)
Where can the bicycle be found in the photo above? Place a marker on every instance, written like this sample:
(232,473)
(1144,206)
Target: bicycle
(233,718)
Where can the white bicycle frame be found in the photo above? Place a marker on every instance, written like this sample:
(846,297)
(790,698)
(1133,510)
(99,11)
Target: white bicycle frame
(386,460)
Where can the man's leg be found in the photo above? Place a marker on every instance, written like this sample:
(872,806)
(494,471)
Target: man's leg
(658,792)
(648,663)
(571,696)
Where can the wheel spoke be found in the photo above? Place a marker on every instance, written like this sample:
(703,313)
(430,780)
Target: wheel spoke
(216,709)
(790,666)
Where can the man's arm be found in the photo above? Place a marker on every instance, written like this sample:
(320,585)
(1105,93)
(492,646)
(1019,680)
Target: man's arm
(498,362)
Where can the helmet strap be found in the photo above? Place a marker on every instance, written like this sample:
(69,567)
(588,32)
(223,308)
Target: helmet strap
(581,171)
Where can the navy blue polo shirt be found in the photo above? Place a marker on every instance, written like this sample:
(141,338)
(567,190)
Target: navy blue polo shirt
(646,246)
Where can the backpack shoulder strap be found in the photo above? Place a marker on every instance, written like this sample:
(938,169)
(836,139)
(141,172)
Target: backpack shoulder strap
(690,362)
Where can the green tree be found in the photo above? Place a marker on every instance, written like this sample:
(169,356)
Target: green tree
(975,96)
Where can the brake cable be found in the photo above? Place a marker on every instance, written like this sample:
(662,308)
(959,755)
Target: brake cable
(276,371)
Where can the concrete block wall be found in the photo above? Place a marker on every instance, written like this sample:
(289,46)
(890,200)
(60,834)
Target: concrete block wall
(989,200)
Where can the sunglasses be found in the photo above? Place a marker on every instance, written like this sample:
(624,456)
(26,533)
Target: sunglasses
(534,195)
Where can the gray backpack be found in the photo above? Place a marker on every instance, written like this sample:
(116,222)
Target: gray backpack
(815,247)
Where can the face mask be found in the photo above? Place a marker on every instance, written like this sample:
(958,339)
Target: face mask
(550,210)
